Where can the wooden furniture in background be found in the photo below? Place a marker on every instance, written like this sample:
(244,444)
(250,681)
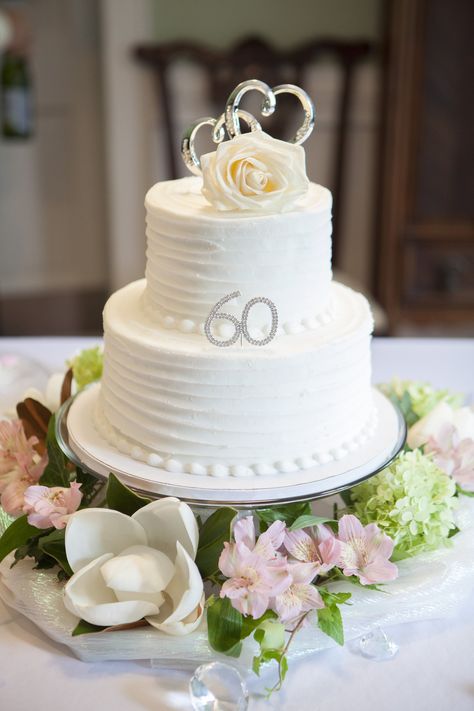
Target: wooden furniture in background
(255,57)
(425,263)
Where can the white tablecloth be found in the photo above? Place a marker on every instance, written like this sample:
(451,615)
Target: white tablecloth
(433,670)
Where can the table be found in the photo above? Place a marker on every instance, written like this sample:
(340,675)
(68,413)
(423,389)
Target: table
(433,670)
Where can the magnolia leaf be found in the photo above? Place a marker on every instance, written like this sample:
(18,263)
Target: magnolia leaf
(289,514)
(57,471)
(16,535)
(120,498)
(35,418)
(54,546)
(212,536)
(66,387)
(84,627)
(307,521)
(224,627)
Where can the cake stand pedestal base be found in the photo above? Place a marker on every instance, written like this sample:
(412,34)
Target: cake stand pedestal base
(84,445)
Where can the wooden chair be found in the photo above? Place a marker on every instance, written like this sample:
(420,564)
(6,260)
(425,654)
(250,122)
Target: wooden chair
(254,57)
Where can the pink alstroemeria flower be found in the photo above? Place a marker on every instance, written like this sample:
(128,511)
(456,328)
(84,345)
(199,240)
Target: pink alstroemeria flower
(299,597)
(365,551)
(454,455)
(318,546)
(20,465)
(51,506)
(256,570)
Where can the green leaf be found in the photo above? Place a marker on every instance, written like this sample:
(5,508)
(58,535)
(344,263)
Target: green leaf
(330,622)
(334,598)
(56,472)
(16,535)
(120,498)
(224,627)
(249,624)
(212,536)
(288,513)
(307,521)
(90,486)
(84,627)
(346,496)
(464,492)
(54,546)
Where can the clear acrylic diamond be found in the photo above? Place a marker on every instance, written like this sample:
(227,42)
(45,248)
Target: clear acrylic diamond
(218,687)
(377,645)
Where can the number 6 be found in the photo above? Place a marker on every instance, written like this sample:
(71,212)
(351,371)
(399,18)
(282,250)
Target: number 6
(215,314)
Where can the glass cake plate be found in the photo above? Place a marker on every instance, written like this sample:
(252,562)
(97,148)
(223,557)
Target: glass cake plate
(82,443)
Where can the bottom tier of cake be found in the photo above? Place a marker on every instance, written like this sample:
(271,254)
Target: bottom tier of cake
(182,404)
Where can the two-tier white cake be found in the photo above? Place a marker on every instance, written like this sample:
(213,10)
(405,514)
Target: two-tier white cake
(174,399)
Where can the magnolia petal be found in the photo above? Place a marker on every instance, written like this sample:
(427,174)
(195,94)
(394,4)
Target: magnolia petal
(92,532)
(184,591)
(184,626)
(87,596)
(138,569)
(167,521)
(53,391)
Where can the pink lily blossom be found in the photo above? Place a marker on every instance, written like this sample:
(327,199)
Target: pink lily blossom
(299,597)
(365,551)
(20,465)
(318,546)
(257,572)
(454,455)
(51,506)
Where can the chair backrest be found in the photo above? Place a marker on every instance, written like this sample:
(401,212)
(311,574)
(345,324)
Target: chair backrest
(255,57)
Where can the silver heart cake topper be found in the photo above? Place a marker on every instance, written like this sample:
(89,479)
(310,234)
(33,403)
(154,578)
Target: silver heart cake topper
(229,121)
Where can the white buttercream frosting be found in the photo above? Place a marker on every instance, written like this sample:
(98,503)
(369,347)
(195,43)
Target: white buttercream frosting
(179,402)
(254,172)
(197,254)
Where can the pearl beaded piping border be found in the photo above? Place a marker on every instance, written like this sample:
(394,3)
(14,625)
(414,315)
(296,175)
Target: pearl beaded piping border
(226,330)
(219,470)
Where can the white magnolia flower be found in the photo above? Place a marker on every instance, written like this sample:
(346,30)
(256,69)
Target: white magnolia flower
(130,567)
(254,172)
(432,425)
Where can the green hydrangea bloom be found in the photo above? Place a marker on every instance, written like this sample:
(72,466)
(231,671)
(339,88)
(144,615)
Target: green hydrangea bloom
(416,399)
(87,366)
(412,501)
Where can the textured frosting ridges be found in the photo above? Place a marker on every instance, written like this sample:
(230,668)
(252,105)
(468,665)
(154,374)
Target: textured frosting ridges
(196,255)
(194,407)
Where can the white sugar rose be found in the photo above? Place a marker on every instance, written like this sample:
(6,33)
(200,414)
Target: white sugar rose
(254,172)
(130,567)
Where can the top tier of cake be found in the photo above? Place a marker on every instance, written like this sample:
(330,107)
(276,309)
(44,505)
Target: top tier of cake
(197,254)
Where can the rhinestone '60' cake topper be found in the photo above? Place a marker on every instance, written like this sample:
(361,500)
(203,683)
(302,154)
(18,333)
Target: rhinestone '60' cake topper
(229,121)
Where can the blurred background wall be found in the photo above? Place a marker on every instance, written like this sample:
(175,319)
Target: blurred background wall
(71,195)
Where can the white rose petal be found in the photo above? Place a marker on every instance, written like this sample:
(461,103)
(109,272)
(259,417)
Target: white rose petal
(92,532)
(167,521)
(254,172)
(443,414)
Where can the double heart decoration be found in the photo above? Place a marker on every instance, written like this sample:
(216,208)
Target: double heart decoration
(229,121)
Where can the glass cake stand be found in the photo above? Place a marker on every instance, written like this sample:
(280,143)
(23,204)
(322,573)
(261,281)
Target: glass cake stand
(83,445)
